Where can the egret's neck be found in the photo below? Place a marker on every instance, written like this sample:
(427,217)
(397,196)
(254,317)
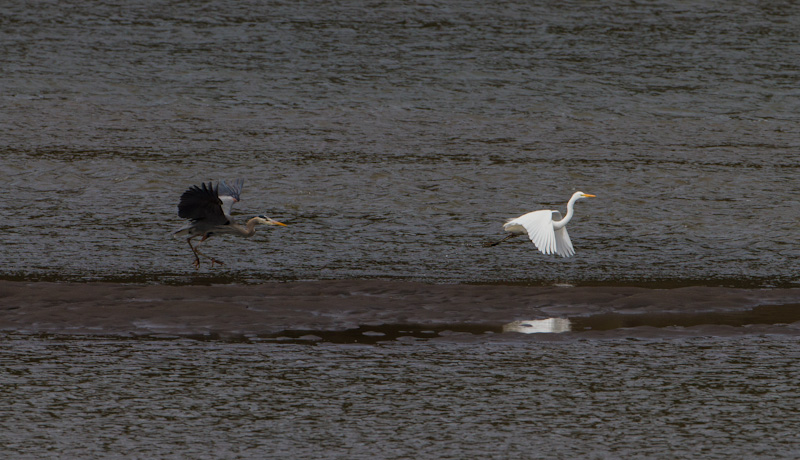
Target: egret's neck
(570,213)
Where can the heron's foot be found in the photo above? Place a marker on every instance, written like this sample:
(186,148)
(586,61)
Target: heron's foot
(196,263)
(215,261)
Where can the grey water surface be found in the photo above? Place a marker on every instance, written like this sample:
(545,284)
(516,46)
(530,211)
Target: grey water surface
(101,398)
(396,139)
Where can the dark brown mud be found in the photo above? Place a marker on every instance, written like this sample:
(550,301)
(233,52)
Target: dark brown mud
(369,311)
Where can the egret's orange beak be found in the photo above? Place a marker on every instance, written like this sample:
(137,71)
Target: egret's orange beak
(586,195)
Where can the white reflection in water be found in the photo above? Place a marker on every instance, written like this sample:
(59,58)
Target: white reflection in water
(535,326)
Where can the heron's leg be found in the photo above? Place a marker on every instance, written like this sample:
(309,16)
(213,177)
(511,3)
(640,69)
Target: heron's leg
(495,243)
(194,251)
(197,251)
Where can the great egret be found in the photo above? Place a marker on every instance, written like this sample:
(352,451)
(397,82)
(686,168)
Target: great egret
(545,228)
(209,208)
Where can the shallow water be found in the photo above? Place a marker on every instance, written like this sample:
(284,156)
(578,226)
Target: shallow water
(397,139)
(95,398)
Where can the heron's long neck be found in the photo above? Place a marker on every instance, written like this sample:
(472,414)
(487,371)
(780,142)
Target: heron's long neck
(249,228)
(570,213)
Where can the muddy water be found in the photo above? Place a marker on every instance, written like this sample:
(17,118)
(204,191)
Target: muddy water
(101,398)
(386,369)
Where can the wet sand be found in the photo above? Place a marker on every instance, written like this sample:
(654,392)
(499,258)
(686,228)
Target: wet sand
(370,311)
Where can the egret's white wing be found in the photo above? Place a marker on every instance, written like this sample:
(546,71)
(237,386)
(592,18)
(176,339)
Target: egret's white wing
(563,243)
(539,226)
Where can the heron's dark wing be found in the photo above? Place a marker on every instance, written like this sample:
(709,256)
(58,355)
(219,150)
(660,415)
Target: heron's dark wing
(229,194)
(202,203)
(234,190)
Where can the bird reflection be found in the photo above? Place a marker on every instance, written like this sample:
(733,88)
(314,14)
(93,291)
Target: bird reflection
(534,326)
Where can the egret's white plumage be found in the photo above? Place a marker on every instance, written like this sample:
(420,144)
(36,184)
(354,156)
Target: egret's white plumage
(546,228)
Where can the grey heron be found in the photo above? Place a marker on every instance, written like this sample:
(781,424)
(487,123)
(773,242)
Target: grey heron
(209,208)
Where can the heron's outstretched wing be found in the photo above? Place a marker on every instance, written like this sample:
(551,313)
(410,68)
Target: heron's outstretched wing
(202,203)
(539,226)
(234,190)
(230,194)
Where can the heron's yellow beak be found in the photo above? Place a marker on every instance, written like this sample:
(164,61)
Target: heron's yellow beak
(275,222)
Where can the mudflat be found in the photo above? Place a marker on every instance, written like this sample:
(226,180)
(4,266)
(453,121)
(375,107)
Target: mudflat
(377,307)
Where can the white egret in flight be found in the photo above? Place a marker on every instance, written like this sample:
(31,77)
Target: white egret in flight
(545,228)
(209,208)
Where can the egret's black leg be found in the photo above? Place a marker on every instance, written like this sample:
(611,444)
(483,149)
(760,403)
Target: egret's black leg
(495,243)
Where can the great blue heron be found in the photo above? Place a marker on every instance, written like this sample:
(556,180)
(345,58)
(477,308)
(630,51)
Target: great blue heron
(209,208)
(545,228)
